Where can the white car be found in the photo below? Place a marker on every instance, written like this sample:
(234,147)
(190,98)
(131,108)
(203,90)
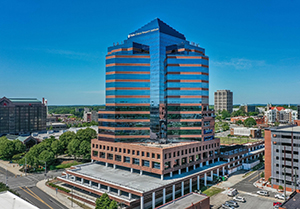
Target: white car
(239,199)
(263,193)
(279,196)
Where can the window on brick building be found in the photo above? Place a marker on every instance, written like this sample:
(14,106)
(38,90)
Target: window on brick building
(190,150)
(158,156)
(100,147)
(124,150)
(107,147)
(148,154)
(145,163)
(137,152)
(93,145)
(170,155)
(126,159)
(120,150)
(102,155)
(133,152)
(136,161)
(118,158)
(178,153)
(143,154)
(174,154)
(128,151)
(153,155)
(96,146)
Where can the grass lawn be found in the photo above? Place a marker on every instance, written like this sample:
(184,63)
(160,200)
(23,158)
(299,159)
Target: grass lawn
(67,164)
(237,140)
(212,191)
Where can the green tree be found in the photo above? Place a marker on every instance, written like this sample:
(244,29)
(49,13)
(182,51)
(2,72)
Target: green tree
(280,187)
(239,122)
(86,134)
(103,202)
(50,128)
(65,139)
(262,175)
(85,149)
(276,123)
(113,205)
(73,148)
(225,126)
(57,148)
(46,156)
(19,146)
(6,148)
(249,122)
(225,114)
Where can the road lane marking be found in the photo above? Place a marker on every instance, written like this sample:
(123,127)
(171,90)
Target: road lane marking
(35,196)
(254,177)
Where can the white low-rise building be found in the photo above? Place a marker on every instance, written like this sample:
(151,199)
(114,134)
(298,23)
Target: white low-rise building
(10,200)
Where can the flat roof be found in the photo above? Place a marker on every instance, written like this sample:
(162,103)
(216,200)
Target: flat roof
(285,128)
(134,181)
(293,202)
(160,145)
(10,200)
(184,201)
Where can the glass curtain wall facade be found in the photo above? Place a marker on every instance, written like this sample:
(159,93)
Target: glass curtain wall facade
(156,88)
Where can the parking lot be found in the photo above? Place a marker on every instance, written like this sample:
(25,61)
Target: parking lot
(255,202)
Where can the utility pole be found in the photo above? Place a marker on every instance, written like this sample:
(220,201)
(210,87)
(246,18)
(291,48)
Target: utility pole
(284,177)
(295,179)
(25,167)
(6,178)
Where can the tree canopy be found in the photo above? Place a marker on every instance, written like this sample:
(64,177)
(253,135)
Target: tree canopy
(10,148)
(225,114)
(104,202)
(249,122)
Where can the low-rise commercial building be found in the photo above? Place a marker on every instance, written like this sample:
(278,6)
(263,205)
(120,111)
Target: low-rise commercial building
(90,115)
(293,202)
(244,131)
(258,120)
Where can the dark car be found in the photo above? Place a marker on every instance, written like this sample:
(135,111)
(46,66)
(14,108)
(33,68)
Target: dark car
(232,203)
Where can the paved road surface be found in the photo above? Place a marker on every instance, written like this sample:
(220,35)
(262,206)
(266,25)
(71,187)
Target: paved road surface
(39,198)
(246,185)
(26,187)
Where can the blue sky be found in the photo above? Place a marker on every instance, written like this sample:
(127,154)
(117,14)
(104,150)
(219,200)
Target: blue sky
(56,49)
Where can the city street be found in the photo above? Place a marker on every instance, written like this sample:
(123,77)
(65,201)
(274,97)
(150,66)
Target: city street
(39,198)
(26,187)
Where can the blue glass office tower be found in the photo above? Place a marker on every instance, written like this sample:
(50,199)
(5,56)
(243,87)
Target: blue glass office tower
(156,88)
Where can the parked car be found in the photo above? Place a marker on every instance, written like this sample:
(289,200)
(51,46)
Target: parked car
(276,205)
(263,193)
(232,203)
(239,199)
(280,196)
(226,206)
(232,192)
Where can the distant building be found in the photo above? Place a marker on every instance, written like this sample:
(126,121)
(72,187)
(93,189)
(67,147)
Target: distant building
(10,200)
(243,131)
(22,115)
(258,120)
(223,100)
(89,116)
(280,114)
(282,151)
(250,108)
(57,126)
(189,201)
(29,141)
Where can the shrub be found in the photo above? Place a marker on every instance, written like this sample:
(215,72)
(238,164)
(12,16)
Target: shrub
(58,187)
(280,187)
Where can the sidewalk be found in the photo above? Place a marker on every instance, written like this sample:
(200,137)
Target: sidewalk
(232,180)
(270,189)
(62,198)
(11,167)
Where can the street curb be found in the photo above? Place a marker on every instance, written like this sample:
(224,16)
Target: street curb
(38,185)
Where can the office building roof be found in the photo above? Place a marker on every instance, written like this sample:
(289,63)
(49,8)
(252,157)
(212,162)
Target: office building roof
(184,201)
(161,26)
(293,202)
(24,100)
(10,200)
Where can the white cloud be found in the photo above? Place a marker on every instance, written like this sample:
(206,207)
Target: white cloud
(240,63)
